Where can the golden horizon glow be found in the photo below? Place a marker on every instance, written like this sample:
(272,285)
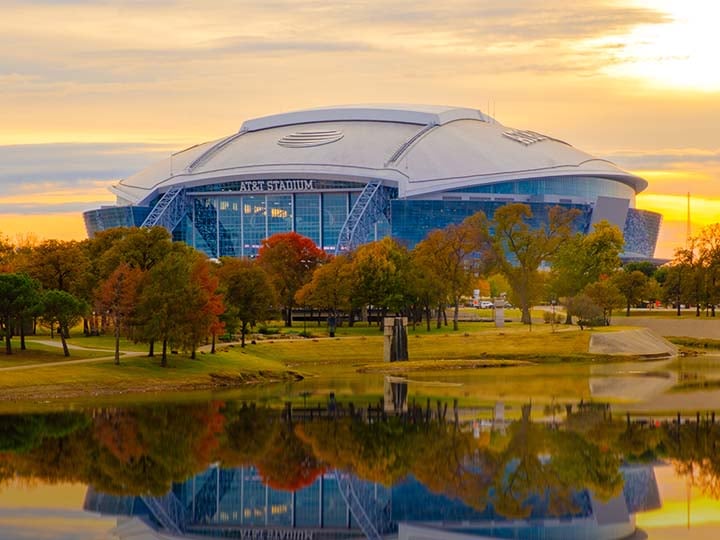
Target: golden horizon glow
(681,53)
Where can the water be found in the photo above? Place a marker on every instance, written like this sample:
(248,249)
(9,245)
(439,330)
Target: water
(242,469)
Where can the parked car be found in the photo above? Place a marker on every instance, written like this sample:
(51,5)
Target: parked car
(486,304)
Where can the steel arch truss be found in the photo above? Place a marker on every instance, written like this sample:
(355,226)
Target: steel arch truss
(169,210)
(372,204)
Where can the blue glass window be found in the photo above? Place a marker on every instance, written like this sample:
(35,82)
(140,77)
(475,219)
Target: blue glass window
(307,215)
(335,211)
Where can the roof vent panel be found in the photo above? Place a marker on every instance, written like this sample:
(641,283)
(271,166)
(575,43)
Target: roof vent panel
(304,139)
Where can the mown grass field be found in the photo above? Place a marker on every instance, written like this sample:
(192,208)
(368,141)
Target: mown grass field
(476,364)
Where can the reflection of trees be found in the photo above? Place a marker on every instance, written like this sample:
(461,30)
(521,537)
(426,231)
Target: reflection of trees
(142,450)
(260,437)
(693,447)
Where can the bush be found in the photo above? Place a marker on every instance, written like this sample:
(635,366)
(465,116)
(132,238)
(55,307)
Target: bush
(595,321)
(266,330)
(548,317)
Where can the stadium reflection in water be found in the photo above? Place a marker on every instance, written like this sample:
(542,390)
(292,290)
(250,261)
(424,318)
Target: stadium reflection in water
(335,471)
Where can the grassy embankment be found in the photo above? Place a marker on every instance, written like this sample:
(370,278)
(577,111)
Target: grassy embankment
(282,357)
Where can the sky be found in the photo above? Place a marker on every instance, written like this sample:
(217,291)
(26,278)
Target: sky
(93,91)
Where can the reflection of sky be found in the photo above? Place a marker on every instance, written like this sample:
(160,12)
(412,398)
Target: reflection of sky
(671,521)
(55,512)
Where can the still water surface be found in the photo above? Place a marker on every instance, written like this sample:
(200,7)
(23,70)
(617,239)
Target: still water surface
(248,468)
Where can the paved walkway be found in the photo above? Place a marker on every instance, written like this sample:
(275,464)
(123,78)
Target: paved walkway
(696,328)
(52,343)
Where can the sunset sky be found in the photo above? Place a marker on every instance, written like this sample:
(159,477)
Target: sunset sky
(92,91)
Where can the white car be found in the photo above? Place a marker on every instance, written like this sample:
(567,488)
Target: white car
(486,304)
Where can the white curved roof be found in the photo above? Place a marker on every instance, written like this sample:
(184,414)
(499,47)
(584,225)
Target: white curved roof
(420,149)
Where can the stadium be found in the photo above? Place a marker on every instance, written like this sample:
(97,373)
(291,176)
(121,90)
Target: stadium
(343,176)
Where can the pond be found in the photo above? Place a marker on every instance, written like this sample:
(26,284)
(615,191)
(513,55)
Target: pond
(324,468)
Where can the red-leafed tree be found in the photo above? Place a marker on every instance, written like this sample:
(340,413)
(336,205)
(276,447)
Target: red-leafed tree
(290,260)
(206,306)
(118,296)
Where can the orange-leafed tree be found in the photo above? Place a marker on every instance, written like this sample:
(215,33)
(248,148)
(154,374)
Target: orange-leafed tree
(206,306)
(117,297)
(290,260)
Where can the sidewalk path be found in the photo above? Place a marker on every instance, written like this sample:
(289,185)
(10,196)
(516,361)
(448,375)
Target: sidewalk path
(696,328)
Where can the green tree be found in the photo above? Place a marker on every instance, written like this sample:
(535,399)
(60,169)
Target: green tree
(520,249)
(64,310)
(165,303)
(584,259)
(249,294)
(631,285)
(18,296)
(289,259)
(380,271)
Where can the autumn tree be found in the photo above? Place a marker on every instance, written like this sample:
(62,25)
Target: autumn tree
(329,287)
(249,294)
(289,259)
(606,296)
(64,310)
(205,305)
(118,296)
(584,259)
(455,256)
(520,249)
(57,264)
(18,295)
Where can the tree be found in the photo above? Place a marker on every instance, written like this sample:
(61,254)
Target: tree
(118,296)
(583,307)
(329,287)
(289,259)
(18,295)
(205,305)
(166,300)
(380,271)
(456,255)
(64,310)
(584,259)
(606,295)
(57,264)
(520,249)
(249,294)
(631,285)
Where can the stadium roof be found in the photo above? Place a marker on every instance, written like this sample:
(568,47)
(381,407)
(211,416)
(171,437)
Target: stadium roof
(421,149)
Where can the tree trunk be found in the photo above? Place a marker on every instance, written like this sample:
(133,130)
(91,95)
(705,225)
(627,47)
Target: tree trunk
(627,310)
(243,331)
(568,316)
(163,359)
(8,338)
(212,347)
(192,353)
(22,334)
(117,343)
(439,316)
(456,314)
(288,315)
(427,315)
(66,351)
(525,319)
(151,349)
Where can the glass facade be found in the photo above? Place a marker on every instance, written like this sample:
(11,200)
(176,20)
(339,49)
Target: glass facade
(232,218)
(574,187)
(412,220)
